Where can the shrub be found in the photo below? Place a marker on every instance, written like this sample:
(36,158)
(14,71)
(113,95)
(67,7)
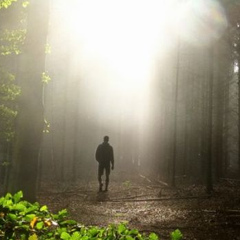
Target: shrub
(22,220)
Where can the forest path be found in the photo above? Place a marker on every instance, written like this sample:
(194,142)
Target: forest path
(151,206)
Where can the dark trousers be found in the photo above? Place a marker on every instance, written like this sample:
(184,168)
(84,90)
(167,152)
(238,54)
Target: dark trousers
(101,169)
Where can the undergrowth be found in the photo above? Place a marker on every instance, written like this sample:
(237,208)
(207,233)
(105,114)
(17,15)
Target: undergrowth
(21,220)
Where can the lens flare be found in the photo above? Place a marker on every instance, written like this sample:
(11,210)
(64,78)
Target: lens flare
(201,22)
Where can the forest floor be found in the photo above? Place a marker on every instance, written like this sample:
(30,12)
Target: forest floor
(152,206)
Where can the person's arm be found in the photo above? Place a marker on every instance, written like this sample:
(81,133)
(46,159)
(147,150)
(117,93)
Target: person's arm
(112,158)
(97,153)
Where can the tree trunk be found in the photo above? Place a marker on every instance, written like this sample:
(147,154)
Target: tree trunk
(226,127)
(76,136)
(219,123)
(204,129)
(175,112)
(30,120)
(239,113)
(209,184)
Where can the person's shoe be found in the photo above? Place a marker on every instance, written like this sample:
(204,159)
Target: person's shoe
(100,187)
(106,187)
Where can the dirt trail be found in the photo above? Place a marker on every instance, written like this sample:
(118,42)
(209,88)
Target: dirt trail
(152,206)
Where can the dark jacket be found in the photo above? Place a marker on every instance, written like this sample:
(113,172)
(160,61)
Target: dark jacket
(104,154)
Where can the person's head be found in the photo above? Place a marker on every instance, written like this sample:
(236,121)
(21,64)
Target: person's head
(106,138)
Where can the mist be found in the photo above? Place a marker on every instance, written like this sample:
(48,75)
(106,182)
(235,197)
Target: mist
(159,78)
(113,71)
(104,60)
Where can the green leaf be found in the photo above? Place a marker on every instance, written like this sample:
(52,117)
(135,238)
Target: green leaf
(40,225)
(134,232)
(75,236)
(1,200)
(62,213)
(86,238)
(7,203)
(153,236)
(65,236)
(176,235)
(29,217)
(44,208)
(19,207)
(32,208)
(23,236)
(93,231)
(69,222)
(33,237)
(121,228)
(8,196)
(129,238)
(12,216)
(17,196)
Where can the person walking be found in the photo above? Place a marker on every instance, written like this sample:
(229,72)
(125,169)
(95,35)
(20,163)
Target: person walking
(105,158)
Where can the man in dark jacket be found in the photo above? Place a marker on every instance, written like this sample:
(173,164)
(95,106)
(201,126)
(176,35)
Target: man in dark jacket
(104,156)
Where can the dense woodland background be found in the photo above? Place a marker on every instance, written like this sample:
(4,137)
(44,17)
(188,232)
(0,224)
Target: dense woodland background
(53,114)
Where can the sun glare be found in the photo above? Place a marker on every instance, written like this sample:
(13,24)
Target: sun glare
(125,36)
(117,43)
(201,21)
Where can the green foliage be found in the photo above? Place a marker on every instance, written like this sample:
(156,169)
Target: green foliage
(8,90)
(11,42)
(153,236)
(20,219)
(25,4)
(6,3)
(48,48)
(8,94)
(176,235)
(45,77)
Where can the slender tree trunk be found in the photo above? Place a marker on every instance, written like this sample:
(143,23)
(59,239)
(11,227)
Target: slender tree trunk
(175,112)
(226,126)
(203,130)
(238,80)
(64,124)
(209,184)
(8,160)
(219,122)
(30,121)
(186,127)
(63,138)
(76,137)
